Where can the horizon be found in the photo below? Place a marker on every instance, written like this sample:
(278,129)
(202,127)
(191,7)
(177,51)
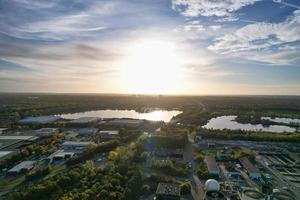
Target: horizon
(131,47)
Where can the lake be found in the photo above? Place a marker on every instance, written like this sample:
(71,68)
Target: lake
(227,122)
(156,115)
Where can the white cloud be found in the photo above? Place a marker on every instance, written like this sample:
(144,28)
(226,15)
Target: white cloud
(260,37)
(219,8)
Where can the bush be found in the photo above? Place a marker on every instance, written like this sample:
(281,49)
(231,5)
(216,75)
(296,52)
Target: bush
(185,188)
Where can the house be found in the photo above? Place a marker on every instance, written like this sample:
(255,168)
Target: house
(212,166)
(252,170)
(22,167)
(108,134)
(167,191)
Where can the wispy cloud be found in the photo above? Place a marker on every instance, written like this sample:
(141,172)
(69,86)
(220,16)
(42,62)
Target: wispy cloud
(261,37)
(220,8)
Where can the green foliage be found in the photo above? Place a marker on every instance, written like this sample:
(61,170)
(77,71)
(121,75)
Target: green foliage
(185,188)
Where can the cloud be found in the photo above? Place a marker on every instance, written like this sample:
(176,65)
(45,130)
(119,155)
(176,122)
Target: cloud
(53,20)
(219,8)
(262,37)
(10,66)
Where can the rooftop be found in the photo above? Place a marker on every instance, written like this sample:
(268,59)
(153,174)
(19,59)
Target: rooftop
(85,120)
(211,163)
(18,137)
(23,165)
(4,153)
(248,165)
(40,119)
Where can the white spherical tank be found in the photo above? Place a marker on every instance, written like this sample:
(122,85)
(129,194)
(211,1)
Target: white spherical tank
(212,185)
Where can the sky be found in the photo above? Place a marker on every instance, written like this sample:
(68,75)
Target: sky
(194,47)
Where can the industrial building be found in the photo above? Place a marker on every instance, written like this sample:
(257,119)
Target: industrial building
(60,155)
(76,146)
(85,120)
(39,120)
(252,170)
(167,191)
(212,166)
(22,167)
(46,131)
(109,134)
(5,154)
(126,122)
(87,131)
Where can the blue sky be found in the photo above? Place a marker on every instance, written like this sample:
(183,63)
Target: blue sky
(218,47)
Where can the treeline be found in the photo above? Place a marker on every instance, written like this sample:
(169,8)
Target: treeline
(226,134)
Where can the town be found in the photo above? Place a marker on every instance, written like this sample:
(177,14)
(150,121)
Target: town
(164,160)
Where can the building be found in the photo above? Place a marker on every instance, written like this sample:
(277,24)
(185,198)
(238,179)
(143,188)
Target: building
(108,134)
(39,120)
(76,146)
(167,191)
(252,170)
(22,167)
(126,122)
(251,194)
(85,120)
(61,155)
(18,137)
(46,131)
(5,154)
(212,166)
(87,131)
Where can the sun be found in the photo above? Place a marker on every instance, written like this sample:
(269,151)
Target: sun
(152,67)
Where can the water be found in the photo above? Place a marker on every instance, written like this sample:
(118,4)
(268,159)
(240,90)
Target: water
(227,122)
(282,120)
(157,115)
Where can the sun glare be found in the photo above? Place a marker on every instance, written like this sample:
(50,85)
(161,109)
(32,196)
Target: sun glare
(152,67)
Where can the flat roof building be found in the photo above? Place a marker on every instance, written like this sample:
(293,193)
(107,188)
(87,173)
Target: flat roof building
(46,131)
(252,170)
(126,122)
(212,166)
(18,137)
(109,134)
(4,154)
(167,191)
(60,155)
(85,120)
(87,131)
(40,120)
(79,146)
(23,166)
